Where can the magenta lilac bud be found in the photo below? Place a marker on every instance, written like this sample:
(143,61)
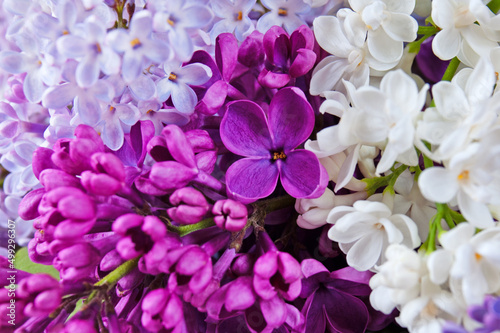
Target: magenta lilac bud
(41,293)
(230,215)
(161,310)
(77,262)
(190,204)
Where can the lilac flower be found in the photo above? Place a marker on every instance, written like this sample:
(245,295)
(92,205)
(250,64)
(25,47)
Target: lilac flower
(176,165)
(230,215)
(179,18)
(86,101)
(284,13)
(269,143)
(113,121)
(176,85)
(137,44)
(487,313)
(219,86)
(190,206)
(87,43)
(234,15)
(288,57)
(334,300)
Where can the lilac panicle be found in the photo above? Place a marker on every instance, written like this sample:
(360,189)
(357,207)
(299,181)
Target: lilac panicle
(268,142)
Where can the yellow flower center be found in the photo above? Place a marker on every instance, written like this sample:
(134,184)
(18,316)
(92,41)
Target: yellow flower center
(279,156)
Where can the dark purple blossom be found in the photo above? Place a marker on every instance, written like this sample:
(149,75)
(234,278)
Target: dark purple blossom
(268,142)
(333,300)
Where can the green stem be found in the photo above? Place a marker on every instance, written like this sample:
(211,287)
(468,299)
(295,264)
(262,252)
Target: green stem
(274,204)
(394,178)
(427,30)
(112,278)
(494,6)
(451,69)
(183,230)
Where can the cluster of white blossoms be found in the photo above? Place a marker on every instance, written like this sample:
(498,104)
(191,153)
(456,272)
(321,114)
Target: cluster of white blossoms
(431,236)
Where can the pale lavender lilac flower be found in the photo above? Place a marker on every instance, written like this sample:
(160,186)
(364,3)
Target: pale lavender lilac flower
(234,18)
(283,13)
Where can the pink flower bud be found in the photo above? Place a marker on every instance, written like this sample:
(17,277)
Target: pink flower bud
(190,204)
(230,215)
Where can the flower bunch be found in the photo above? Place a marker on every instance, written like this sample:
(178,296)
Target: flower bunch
(249,166)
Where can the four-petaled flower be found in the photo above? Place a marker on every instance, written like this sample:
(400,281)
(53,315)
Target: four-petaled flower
(268,142)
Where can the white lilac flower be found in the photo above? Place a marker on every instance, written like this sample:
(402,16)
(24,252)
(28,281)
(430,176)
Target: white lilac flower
(385,24)
(384,117)
(464,112)
(234,18)
(471,176)
(87,44)
(179,19)
(176,84)
(428,312)
(314,212)
(283,13)
(136,44)
(397,281)
(366,229)
(460,35)
(469,261)
(348,60)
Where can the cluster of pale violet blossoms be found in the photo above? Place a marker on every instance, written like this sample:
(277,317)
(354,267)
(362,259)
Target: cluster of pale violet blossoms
(195,156)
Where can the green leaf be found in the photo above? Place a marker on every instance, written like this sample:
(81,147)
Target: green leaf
(24,263)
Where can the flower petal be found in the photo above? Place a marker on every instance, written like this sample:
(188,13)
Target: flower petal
(301,174)
(244,130)
(291,118)
(251,179)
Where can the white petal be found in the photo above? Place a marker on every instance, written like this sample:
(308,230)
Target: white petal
(327,74)
(330,36)
(438,184)
(382,47)
(401,27)
(446,44)
(365,253)
(476,213)
(450,100)
(439,263)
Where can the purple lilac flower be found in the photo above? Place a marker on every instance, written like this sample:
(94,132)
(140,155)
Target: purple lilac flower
(288,57)
(488,314)
(268,142)
(337,301)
